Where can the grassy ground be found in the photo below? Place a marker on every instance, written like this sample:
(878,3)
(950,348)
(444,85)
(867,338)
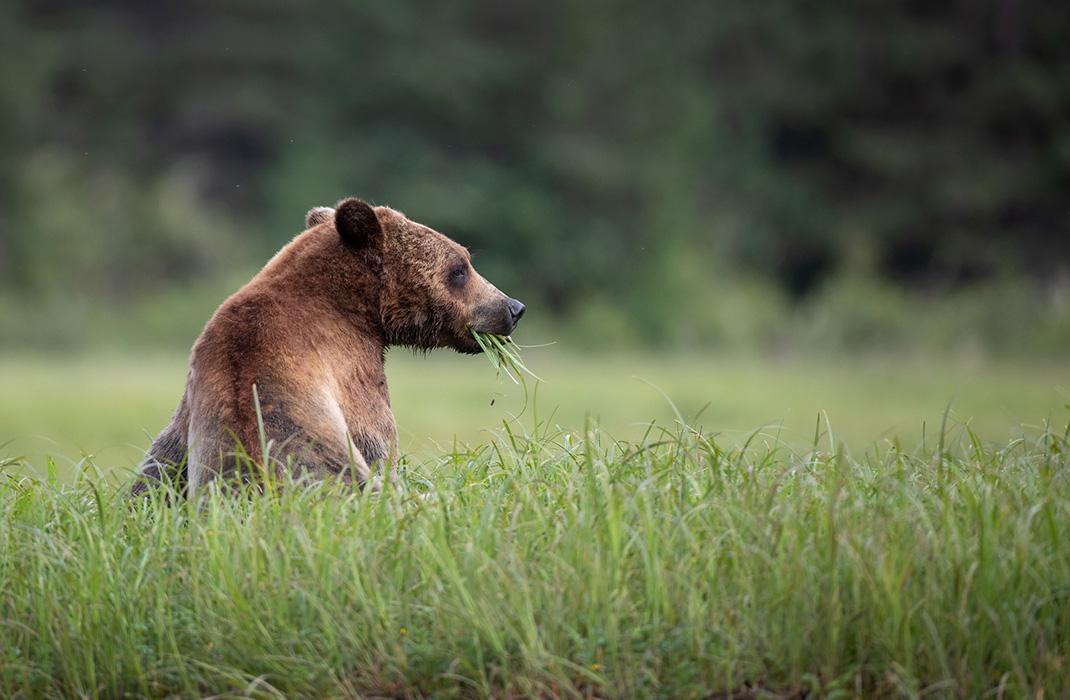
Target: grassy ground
(105,405)
(850,557)
(560,565)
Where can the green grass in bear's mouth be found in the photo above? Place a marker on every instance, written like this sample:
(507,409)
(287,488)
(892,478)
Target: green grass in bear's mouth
(503,353)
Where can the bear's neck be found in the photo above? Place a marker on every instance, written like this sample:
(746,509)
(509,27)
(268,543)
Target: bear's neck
(318,268)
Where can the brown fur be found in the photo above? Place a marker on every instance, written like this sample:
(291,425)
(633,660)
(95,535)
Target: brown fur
(310,333)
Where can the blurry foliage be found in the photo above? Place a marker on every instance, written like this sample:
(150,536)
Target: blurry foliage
(673,172)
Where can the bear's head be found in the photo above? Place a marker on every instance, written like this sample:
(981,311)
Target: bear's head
(429,294)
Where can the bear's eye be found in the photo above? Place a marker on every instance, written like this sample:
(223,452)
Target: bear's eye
(459,275)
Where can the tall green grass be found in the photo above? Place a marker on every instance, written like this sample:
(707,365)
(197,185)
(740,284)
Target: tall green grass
(559,565)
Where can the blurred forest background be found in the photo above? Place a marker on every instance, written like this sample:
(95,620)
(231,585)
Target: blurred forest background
(726,174)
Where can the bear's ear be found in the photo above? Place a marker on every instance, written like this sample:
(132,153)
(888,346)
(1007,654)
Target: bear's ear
(317,216)
(357,224)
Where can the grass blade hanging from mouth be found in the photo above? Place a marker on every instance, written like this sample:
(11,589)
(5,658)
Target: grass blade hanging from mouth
(504,355)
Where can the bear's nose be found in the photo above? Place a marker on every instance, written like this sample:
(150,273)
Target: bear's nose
(516,309)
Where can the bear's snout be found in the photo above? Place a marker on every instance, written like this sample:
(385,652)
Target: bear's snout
(499,316)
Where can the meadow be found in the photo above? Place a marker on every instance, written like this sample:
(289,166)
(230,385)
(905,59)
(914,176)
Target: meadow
(106,406)
(783,528)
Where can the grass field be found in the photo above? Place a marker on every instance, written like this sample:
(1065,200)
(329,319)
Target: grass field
(104,405)
(806,530)
(558,565)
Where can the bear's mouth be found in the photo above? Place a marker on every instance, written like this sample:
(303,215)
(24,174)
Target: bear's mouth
(467,343)
(470,346)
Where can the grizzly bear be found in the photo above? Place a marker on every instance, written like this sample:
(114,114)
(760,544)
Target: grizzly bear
(294,361)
